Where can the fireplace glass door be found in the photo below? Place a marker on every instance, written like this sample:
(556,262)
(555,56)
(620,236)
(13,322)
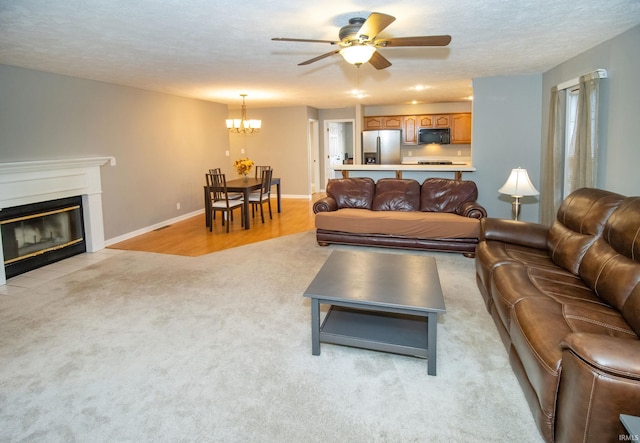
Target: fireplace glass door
(43,233)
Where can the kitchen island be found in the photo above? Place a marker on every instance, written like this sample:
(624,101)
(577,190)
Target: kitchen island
(416,171)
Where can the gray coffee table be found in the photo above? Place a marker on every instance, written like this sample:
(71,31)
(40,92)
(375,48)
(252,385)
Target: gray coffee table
(379,301)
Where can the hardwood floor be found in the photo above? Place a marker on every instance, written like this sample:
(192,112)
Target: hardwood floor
(192,238)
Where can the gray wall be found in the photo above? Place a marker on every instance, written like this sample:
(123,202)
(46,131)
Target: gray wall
(506,135)
(511,115)
(282,143)
(619,111)
(163,144)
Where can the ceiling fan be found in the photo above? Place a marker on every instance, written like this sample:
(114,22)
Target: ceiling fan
(358,42)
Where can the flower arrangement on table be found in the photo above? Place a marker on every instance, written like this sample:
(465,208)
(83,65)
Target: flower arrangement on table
(243,166)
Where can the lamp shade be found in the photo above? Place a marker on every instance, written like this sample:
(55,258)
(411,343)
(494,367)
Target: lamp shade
(518,184)
(357,54)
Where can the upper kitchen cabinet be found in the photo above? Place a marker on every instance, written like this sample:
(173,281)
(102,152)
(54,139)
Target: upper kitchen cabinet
(461,128)
(459,124)
(409,130)
(434,121)
(393,122)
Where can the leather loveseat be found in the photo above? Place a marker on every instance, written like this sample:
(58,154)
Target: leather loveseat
(566,301)
(439,214)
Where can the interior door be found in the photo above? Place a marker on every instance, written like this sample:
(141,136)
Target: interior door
(314,155)
(335,138)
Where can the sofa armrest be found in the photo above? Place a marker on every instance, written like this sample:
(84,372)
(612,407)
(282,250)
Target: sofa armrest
(472,210)
(616,356)
(325,204)
(532,235)
(600,379)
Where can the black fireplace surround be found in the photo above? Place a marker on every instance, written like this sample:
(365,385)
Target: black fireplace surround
(39,234)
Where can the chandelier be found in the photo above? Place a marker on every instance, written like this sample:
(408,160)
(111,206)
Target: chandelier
(243,125)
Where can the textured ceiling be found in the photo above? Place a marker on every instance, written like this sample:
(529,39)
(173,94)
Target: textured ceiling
(215,50)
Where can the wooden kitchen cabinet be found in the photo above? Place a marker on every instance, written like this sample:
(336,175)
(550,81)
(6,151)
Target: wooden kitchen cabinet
(461,128)
(425,121)
(434,121)
(409,130)
(459,123)
(392,122)
(442,121)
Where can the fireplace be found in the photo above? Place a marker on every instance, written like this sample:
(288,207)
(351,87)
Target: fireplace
(37,232)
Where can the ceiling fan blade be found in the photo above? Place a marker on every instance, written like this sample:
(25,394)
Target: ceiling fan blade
(320,57)
(375,23)
(429,40)
(379,61)
(305,40)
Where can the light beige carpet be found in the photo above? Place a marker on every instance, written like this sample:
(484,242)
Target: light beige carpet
(145,347)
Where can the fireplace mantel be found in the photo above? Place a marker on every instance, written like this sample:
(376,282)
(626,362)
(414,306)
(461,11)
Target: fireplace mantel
(28,182)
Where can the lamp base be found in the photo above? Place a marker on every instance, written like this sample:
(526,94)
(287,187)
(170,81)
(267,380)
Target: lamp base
(515,208)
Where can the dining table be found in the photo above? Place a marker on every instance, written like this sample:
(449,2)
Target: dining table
(244,186)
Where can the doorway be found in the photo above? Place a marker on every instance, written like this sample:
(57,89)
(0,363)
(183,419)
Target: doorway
(339,145)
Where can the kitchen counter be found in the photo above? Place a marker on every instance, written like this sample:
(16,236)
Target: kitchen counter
(457,168)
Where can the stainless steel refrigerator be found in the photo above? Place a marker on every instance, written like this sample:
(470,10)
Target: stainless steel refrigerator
(381,147)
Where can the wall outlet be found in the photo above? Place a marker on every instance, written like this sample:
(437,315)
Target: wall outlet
(459,152)
(178,206)
(242,151)
(410,153)
(227,153)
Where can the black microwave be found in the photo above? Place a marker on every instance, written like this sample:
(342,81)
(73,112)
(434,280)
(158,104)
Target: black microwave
(441,136)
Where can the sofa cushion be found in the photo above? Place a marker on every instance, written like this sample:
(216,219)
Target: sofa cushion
(580,220)
(446,195)
(396,195)
(611,267)
(400,223)
(513,282)
(352,192)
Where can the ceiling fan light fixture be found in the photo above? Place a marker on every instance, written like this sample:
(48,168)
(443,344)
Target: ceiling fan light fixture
(357,54)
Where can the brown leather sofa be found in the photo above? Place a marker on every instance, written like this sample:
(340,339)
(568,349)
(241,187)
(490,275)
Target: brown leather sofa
(439,214)
(566,301)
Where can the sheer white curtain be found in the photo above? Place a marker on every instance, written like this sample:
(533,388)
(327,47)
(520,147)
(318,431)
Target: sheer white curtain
(552,162)
(583,148)
(585,136)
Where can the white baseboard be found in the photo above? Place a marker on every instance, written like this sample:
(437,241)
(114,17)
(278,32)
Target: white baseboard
(141,231)
(306,197)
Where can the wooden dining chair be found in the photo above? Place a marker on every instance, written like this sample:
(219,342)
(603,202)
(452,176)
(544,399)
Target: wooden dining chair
(259,170)
(263,196)
(220,202)
(232,195)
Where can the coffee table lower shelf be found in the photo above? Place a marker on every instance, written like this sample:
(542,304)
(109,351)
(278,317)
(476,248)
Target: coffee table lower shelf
(379,331)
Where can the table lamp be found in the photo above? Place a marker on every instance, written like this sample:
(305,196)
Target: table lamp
(517,186)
